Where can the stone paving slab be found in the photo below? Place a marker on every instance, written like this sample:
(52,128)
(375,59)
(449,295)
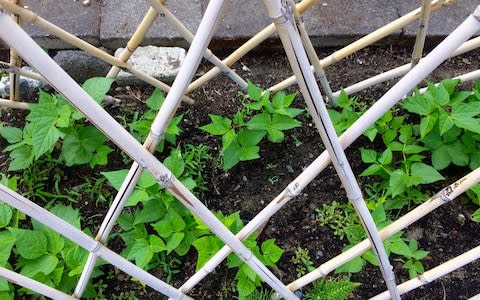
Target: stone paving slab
(83,22)
(120,18)
(442,21)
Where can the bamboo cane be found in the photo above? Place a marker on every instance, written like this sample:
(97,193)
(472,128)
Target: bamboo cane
(298,58)
(435,273)
(35,56)
(245,48)
(396,93)
(33,285)
(476,297)
(402,70)
(69,231)
(365,41)
(188,36)
(14,80)
(32,18)
(135,40)
(14,104)
(422,31)
(312,55)
(446,195)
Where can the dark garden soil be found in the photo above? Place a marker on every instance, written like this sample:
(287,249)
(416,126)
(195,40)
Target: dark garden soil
(250,186)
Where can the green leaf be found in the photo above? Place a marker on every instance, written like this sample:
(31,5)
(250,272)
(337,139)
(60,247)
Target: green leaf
(418,104)
(445,123)
(413,149)
(442,96)
(68,214)
(174,240)
(171,223)
(155,101)
(7,240)
(116,178)
(465,110)
(228,138)
(369,156)
(250,137)
(55,242)
(11,134)
(79,145)
(6,214)
(157,244)
(152,211)
(100,157)
(98,87)
(271,252)
(426,124)
(141,252)
(275,136)
(441,158)
(245,287)
(44,139)
(231,156)
(219,125)
(353,266)
(21,158)
(468,124)
(253,91)
(44,264)
(372,170)
(386,157)
(249,153)
(427,173)
(398,182)
(29,244)
(174,162)
(476,216)
(206,247)
(261,121)
(282,122)
(450,84)
(399,247)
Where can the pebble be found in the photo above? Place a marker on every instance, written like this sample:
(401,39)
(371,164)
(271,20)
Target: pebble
(289,169)
(319,254)
(461,219)
(244,178)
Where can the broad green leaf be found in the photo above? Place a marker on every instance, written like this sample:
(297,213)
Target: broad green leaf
(63,118)
(146,180)
(138,195)
(206,247)
(282,122)
(29,244)
(413,149)
(250,137)
(372,170)
(275,136)
(249,153)
(141,252)
(79,145)
(476,216)
(427,173)
(6,214)
(278,100)
(67,213)
(399,247)
(261,121)
(368,155)
(353,266)
(465,110)
(245,287)
(228,138)
(468,124)
(174,240)
(55,242)
(155,100)
(388,136)
(386,157)
(370,257)
(418,104)
(11,134)
(445,123)
(98,87)
(44,139)
(271,252)
(398,182)
(125,221)
(450,84)
(21,158)
(172,222)
(116,178)
(174,162)
(253,91)
(231,155)
(44,264)
(157,244)
(442,96)
(219,125)
(440,158)
(455,151)
(7,240)
(247,272)
(152,211)
(100,156)
(426,124)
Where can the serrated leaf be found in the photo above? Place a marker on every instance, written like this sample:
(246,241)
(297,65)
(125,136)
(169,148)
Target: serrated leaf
(155,101)
(11,134)
(427,173)
(44,264)
(98,87)
(29,244)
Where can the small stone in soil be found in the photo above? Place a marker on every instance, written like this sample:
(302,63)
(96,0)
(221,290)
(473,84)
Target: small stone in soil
(319,254)
(461,219)
(289,169)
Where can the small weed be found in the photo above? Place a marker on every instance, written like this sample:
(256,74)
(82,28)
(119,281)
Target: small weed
(302,261)
(331,289)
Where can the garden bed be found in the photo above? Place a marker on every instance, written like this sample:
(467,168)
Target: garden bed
(250,185)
